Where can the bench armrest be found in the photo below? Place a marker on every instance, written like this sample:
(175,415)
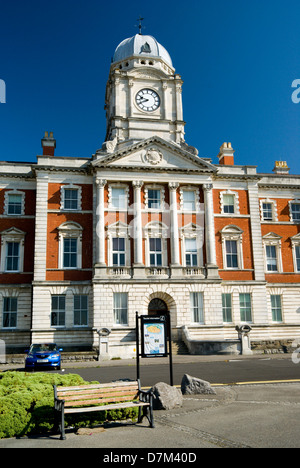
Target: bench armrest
(146,395)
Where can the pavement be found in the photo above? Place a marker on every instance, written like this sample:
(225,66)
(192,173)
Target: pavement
(260,415)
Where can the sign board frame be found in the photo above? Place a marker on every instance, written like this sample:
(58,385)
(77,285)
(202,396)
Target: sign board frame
(165,339)
(154,336)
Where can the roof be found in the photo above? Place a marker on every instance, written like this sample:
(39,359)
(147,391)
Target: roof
(146,46)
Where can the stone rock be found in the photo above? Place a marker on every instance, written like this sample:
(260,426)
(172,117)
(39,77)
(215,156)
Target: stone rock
(166,397)
(194,386)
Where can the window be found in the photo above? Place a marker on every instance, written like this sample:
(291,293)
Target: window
(118,246)
(70,246)
(71,197)
(14,203)
(267,212)
(80,311)
(295,211)
(70,253)
(276,308)
(121,308)
(58,311)
(245,307)
(297,253)
(227,308)
(188,200)
(12,256)
(271,258)
(228,204)
(12,251)
(118,198)
(155,246)
(196,304)
(10,308)
(154,199)
(232,246)
(231,254)
(191,252)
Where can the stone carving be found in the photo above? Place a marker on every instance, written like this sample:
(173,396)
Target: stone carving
(153,156)
(110,146)
(188,148)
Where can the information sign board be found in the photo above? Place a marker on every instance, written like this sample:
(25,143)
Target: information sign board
(154,336)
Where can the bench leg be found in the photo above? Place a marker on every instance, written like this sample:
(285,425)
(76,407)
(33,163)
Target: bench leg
(140,417)
(151,416)
(146,412)
(62,424)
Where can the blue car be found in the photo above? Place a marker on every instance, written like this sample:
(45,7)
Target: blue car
(43,355)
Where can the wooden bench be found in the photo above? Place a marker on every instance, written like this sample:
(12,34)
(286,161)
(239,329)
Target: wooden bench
(101,397)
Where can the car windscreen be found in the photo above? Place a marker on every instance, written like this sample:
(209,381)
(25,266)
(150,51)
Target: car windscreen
(37,348)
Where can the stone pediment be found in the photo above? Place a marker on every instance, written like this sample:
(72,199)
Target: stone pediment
(155,154)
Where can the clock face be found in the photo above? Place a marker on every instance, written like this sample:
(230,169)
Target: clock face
(148,100)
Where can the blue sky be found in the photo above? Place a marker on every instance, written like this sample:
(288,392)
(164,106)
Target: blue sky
(238,59)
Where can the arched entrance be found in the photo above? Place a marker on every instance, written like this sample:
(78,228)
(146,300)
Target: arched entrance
(157,307)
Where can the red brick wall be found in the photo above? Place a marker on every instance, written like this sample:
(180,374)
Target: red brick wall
(85,220)
(26,225)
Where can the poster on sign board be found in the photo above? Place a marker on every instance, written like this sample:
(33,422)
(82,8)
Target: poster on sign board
(154,336)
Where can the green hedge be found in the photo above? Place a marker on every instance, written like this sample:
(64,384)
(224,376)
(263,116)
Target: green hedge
(27,401)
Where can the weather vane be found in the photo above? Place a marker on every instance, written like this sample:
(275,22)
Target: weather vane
(140,26)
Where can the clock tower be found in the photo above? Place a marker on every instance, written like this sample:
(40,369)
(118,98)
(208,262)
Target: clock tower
(143,94)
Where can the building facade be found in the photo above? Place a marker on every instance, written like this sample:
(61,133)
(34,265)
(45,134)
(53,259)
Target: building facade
(146,224)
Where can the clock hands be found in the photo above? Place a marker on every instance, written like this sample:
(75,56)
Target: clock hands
(144,100)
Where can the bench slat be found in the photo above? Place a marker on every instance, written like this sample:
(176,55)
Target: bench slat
(97,402)
(101,396)
(105,408)
(109,385)
(97,391)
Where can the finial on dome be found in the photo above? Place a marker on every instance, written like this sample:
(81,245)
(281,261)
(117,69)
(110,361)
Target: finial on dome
(140,26)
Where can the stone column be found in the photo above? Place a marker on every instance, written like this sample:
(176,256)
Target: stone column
(137,224)
(211,264)
(100,224)
(40,257)
(174,231)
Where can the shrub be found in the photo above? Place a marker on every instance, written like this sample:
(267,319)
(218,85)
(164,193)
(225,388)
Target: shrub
(27,401)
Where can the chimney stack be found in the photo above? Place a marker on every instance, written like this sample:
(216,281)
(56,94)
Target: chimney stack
(226,155)
(281,167)
(48,144)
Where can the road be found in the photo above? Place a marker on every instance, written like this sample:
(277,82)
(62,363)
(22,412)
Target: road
(216,372)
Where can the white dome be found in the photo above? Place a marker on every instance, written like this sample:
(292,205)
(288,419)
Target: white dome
(145,46)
